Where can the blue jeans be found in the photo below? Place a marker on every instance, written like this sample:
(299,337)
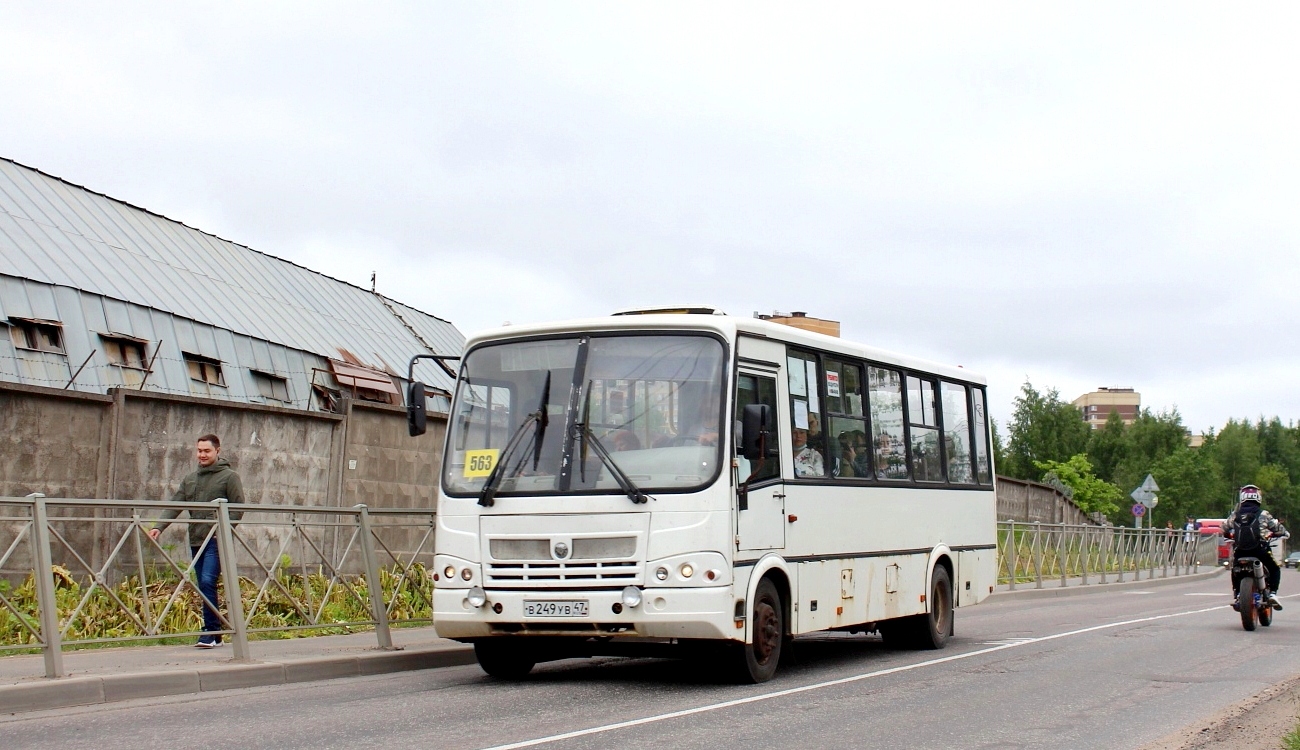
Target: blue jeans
(207,565)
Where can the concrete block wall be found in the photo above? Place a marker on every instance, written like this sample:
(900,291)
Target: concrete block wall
(1030,502)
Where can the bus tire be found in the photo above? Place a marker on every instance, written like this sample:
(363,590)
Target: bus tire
(929,630)
(504,660)
(756,661)
(932,629)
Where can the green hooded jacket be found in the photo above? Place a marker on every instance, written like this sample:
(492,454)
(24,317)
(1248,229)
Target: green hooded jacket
(204,486)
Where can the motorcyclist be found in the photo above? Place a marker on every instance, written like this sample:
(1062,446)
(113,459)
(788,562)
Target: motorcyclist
(1270,528)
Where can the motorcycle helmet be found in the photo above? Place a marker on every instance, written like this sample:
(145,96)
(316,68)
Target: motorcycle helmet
(1249,492)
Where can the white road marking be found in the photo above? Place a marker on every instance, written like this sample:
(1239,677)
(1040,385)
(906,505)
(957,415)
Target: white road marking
(842,681)
(1130,593)
(1007,642)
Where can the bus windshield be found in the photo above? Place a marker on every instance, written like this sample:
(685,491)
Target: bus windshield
(654,402)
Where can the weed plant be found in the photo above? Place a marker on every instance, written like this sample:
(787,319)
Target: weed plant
(292,605)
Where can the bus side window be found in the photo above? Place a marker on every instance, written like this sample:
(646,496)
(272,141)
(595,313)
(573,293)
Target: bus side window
(753,389)
(956,432)
(847,449)
(923,424)
(982,470)
(807,439)
(885,398)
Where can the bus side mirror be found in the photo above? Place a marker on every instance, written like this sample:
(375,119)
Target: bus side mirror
(756,433)
(416,418)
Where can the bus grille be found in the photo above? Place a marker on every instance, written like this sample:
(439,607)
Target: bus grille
(580,572)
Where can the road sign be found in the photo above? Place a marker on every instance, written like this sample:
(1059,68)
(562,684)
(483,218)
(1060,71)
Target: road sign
(1139,509)
(1146,494)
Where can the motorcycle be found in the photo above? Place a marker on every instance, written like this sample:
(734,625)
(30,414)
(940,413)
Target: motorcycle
(1252,593)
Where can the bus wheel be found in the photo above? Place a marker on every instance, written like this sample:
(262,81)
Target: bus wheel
(932,630)
(929,630)
(503,659)
(756,661)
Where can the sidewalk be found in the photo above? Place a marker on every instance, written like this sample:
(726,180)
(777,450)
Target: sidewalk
(116,674)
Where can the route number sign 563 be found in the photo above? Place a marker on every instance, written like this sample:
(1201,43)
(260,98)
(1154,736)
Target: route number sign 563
(480,463)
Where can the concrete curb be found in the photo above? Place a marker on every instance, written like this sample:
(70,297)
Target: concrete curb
(1095,588)
(85,691)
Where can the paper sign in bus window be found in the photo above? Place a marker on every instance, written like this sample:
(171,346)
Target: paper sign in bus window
(832,384)
(813,404)
(800,415)
(480,463)
(798,382)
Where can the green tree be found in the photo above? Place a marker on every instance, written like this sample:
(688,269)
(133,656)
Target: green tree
(1157,435)
(999,450)
(1279,494)
(1188,479)
(1043,428)
(1109,446)
(1278,445)
(1236,450)
(1091,494)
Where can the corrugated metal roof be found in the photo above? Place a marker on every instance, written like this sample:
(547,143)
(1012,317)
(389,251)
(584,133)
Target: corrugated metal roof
(62,234)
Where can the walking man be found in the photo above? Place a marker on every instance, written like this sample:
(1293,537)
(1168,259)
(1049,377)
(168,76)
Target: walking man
(214,479)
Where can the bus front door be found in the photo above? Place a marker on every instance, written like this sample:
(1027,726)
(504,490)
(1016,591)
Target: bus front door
(761,509)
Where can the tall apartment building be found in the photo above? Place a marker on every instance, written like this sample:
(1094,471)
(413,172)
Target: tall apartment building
(1098,405)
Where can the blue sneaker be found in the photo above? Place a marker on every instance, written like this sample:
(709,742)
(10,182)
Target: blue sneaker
(209,641)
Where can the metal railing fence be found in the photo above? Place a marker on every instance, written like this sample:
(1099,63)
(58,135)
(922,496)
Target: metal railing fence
(296,568)
(318,569)
(1032,553)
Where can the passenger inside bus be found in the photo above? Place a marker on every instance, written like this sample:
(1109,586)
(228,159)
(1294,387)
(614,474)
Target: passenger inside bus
(807,462)
(853,459)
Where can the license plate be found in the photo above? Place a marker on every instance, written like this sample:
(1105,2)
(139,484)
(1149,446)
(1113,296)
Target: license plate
(555,609)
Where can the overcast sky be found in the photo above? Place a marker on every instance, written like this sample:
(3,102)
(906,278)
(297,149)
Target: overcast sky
(1100,194)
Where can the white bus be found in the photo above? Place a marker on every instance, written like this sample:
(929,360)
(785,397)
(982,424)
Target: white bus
(713,482)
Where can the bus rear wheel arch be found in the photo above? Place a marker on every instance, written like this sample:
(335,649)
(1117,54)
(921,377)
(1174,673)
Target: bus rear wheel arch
(928,630)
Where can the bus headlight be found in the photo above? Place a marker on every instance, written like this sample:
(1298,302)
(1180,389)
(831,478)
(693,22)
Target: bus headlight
(449,572)
(701,568)
(477,597)
(631,597)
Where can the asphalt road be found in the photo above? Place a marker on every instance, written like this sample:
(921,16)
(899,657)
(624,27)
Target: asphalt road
(1103,670)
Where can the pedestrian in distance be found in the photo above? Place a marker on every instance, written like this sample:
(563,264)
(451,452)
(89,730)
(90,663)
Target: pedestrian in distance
(213,480)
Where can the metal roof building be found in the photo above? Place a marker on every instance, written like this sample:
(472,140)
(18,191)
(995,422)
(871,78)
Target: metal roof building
(97,293)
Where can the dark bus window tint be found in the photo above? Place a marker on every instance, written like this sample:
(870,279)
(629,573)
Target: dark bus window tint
(885,398)
(922,416)
(843,388)
(850,456)
(807,441)
(846,438)
(982,471)
(956,433)
(752,389)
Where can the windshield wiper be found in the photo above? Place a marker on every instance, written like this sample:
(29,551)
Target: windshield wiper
(487,496)
(584,435)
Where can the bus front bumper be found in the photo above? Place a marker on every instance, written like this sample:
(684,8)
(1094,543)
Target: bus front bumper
(705,612)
